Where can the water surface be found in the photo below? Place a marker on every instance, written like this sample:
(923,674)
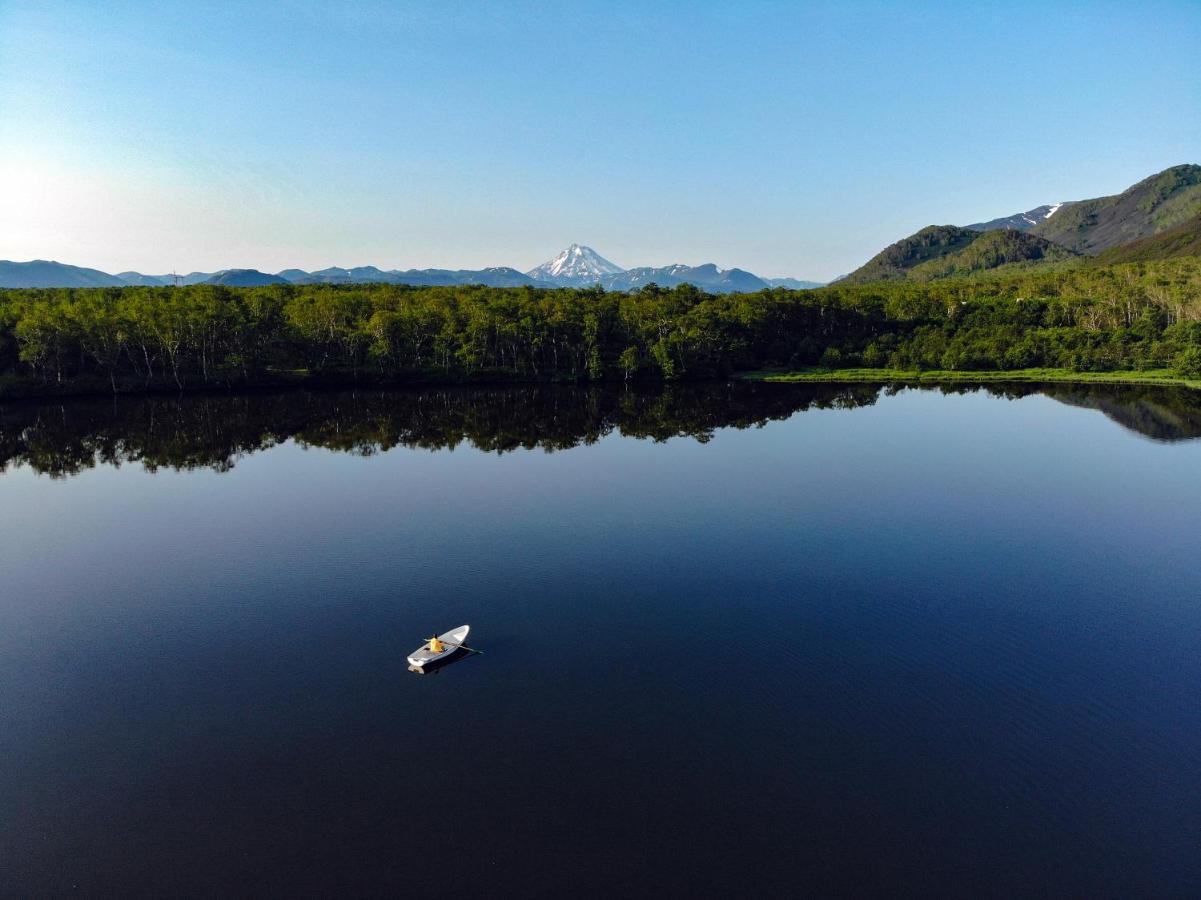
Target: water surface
(824,638)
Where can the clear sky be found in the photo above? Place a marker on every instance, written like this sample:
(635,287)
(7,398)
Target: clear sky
(784,138)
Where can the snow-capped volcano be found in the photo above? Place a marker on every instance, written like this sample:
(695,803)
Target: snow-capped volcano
(575,266)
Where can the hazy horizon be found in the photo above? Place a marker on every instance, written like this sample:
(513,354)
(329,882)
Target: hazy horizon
(788,141)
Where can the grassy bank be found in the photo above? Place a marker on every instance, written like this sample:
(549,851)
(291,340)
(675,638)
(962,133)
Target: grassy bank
(1153,376)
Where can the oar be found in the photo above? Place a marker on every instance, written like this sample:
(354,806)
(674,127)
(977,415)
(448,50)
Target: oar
(462,647)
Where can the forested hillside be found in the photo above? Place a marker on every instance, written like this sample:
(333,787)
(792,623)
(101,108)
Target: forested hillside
(1183,240)
(1122,317)
(896,260)
(992,250)
(1153,205)
(942,251)
(1166,205)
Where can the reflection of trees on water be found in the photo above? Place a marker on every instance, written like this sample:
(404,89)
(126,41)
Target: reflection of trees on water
(1163,414)
(1160,413)
(213,431)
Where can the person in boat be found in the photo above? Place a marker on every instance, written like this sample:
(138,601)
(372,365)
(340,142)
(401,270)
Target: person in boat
(436,646)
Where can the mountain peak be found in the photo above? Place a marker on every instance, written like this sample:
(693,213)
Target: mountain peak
(577,265)
(1023,221)
(1160,202)
(1154,205)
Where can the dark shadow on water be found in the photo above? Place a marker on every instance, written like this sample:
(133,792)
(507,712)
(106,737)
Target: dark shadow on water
(436,668)
(214,431)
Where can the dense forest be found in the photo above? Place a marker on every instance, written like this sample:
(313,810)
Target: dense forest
(1137,316)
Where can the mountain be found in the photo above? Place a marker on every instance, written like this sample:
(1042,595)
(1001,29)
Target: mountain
(992,250)
(575,267)
(895,260)
(495,276)
(793,284)
(137,278)
(498,276)
(1157,218)
(245,278)
(943,251)
(580,266)
(1152,206)
(1183,240)
(48,273)
(1021,221)
(335,275)
(197,277)
(707,277)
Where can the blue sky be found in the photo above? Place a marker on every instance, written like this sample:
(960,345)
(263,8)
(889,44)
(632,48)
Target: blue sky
(785,138)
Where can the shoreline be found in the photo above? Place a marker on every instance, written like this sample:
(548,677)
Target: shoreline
(1152,377)
(18,389)
(25,390)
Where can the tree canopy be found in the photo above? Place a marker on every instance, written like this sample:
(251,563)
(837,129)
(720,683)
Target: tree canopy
(1135,316)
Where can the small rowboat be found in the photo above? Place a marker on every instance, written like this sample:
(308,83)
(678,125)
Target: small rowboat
(451,642)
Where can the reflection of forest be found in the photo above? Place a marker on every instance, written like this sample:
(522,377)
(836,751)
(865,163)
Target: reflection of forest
(212,431)
(1164,414)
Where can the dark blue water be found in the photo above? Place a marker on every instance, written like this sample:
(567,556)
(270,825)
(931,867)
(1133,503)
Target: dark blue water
(736,640)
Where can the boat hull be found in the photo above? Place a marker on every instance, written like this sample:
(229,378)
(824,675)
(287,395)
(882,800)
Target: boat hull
(423,656)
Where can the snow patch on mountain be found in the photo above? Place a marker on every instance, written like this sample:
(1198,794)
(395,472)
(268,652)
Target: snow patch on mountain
(1023,221)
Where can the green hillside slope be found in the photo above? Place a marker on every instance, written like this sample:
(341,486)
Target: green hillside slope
(944,251)
(992,250)
(1183,240)
(1152,206)
(896,260)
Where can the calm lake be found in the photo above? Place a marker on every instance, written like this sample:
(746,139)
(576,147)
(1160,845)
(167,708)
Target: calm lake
(738,638)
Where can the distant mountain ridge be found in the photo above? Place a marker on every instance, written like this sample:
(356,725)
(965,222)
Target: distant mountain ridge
(707,277)
(580,266)
(793,284)
(1157,218)
(495,276)
(50,273)
(577,266)
(245,278)
(137,278)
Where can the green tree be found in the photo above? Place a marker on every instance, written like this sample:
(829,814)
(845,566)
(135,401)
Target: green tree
(1188,362)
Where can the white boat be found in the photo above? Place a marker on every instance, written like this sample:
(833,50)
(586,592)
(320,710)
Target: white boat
(451,642)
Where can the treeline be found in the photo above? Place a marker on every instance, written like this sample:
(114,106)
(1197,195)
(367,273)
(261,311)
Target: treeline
(1139,316)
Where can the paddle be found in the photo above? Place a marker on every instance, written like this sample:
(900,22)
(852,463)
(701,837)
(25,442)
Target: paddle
(462,647)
